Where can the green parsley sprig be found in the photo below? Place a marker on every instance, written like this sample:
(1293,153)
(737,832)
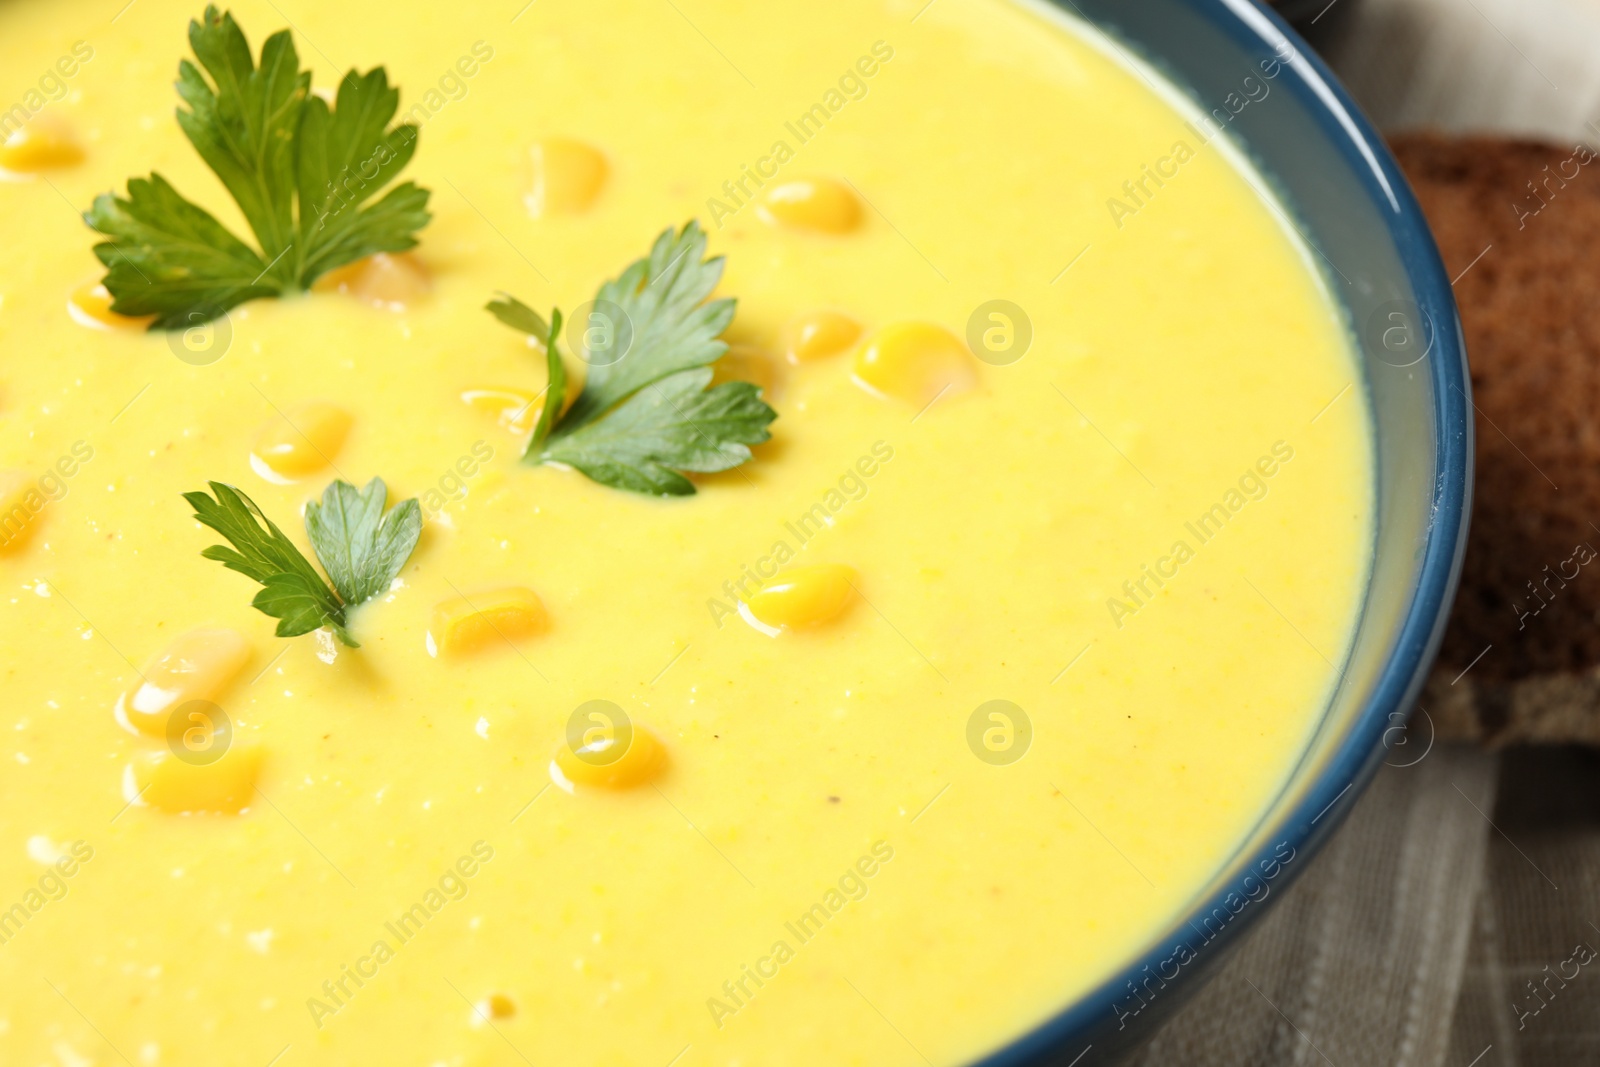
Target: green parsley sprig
(302,174)
(642,418)
(361,548)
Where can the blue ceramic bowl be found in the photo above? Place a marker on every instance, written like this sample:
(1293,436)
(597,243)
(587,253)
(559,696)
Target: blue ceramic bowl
(1349,201)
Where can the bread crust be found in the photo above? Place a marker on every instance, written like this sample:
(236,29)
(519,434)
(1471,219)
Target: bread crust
(1518,223)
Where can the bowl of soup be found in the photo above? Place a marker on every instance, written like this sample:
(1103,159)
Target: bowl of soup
(1005,473)
(1351,207)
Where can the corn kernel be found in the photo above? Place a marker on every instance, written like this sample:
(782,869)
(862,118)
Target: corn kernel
(20,504)
(820,204)
(199,665)
(747,363)
(916,362)
(515,409)
(43,143)
(800,597)
(90,305)
(632,757)
(390,280)
(567,176)
(467,624)
(818,334)
(303,441)
(164,782)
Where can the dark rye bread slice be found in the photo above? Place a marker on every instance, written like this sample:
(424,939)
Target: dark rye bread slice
(1518,223)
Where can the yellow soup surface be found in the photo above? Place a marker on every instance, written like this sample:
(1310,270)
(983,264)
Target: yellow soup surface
(930,716)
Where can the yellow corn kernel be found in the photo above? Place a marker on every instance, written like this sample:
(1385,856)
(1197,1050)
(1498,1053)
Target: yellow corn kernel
(818,334)
(390,280)
(467,624)
(515,409)
(44,143)
(802,596)
(567,176)
(498,1006)
(199,665)
(90,305)
(747,363)
(820,204)
(304,440)
(20,504)
(162,781)
(915,362)
(631,757)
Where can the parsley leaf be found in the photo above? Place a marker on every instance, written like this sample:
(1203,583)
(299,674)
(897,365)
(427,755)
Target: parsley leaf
(676,424)
(300,172)
(643,418)
(292,590)
(361,548)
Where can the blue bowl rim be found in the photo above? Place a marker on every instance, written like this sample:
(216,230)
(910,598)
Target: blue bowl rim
(1326,801)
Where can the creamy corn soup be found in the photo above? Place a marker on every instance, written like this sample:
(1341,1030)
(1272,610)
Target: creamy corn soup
(877,749)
